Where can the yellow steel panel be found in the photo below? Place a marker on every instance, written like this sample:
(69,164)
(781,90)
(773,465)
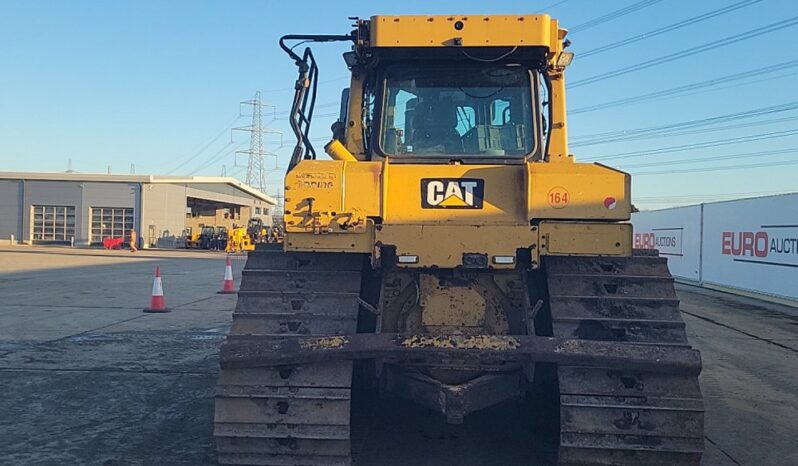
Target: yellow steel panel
(592,239)
(578,191)
(354,125)
(477,31)
(452,306)
(504,197)
(312,193)
(443,245)
(362,187)
(361,242)
(329,203)
(558,145)
(331,196)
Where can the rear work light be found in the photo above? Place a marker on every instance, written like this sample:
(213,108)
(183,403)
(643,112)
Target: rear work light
(407,259)
(504,260)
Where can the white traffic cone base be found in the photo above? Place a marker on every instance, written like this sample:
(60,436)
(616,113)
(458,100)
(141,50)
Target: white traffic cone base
(157,303)
(228,286)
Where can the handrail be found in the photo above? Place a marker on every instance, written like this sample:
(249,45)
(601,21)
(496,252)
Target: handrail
(304,103)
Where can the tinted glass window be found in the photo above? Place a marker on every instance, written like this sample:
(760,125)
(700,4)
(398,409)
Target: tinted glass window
(480,112)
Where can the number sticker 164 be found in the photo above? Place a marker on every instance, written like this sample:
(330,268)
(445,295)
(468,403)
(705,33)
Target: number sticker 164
(559,197)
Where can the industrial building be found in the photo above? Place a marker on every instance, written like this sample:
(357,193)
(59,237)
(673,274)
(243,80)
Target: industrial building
(83,209)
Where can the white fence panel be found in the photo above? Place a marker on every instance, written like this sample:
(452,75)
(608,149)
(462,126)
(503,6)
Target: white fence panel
(752,244)
(676,233)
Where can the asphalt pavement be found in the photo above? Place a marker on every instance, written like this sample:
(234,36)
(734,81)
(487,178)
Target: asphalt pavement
(88,378)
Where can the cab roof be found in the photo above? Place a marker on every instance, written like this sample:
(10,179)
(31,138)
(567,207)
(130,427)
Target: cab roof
(466,31)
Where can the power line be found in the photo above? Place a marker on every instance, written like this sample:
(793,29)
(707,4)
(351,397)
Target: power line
(237,171)
(688,88)
(286,89)
(753,80)
(669,28)
(714,169)
(210,159)
(746,155)
(679,132)
(320,115)
(758,32)
(552,6)
(219,155)
(700,145)
(689,197)
(674,133)
(205,147)
(613,15)
(323,105)
(619,135)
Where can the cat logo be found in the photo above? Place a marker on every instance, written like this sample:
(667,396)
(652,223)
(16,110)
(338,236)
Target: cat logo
(452,193)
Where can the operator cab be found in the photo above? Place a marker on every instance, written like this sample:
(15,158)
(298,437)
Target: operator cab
(458,95)
(454,112)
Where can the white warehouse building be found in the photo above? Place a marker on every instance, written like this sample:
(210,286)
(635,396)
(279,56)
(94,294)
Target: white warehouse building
(64,208)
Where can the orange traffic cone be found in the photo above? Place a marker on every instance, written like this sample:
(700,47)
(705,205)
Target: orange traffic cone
(157,303)
(228,287)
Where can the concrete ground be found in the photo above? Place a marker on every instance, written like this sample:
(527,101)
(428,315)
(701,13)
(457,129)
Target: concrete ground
(87,378)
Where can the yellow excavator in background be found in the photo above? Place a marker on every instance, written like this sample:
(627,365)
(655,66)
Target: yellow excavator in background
(453,250)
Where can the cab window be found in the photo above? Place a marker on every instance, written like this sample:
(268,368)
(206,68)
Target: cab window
(435,111)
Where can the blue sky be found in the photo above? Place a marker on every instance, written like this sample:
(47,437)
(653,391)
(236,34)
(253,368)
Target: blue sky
(152,83)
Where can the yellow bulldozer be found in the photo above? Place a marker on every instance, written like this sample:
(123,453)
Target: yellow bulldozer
(453,250)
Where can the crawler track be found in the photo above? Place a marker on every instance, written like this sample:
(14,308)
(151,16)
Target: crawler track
(611,417)
(297,415)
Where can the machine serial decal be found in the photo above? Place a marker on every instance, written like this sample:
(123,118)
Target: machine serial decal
(452,193)
(316,181)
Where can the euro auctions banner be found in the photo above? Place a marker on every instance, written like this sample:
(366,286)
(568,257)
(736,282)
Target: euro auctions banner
(752,244)
(676,233)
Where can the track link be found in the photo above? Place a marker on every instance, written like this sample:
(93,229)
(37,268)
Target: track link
(292,415)
(612,417)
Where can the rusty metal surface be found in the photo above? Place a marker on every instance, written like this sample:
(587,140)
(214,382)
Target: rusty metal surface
(255,352)
(297,416)
(620,415)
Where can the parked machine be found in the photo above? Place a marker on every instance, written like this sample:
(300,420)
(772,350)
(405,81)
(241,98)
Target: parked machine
(206,237)
(276,234)
(455,251)
(192,238)
(239,239)
(245,238)
(257,231)
(220,237)
(213,238)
